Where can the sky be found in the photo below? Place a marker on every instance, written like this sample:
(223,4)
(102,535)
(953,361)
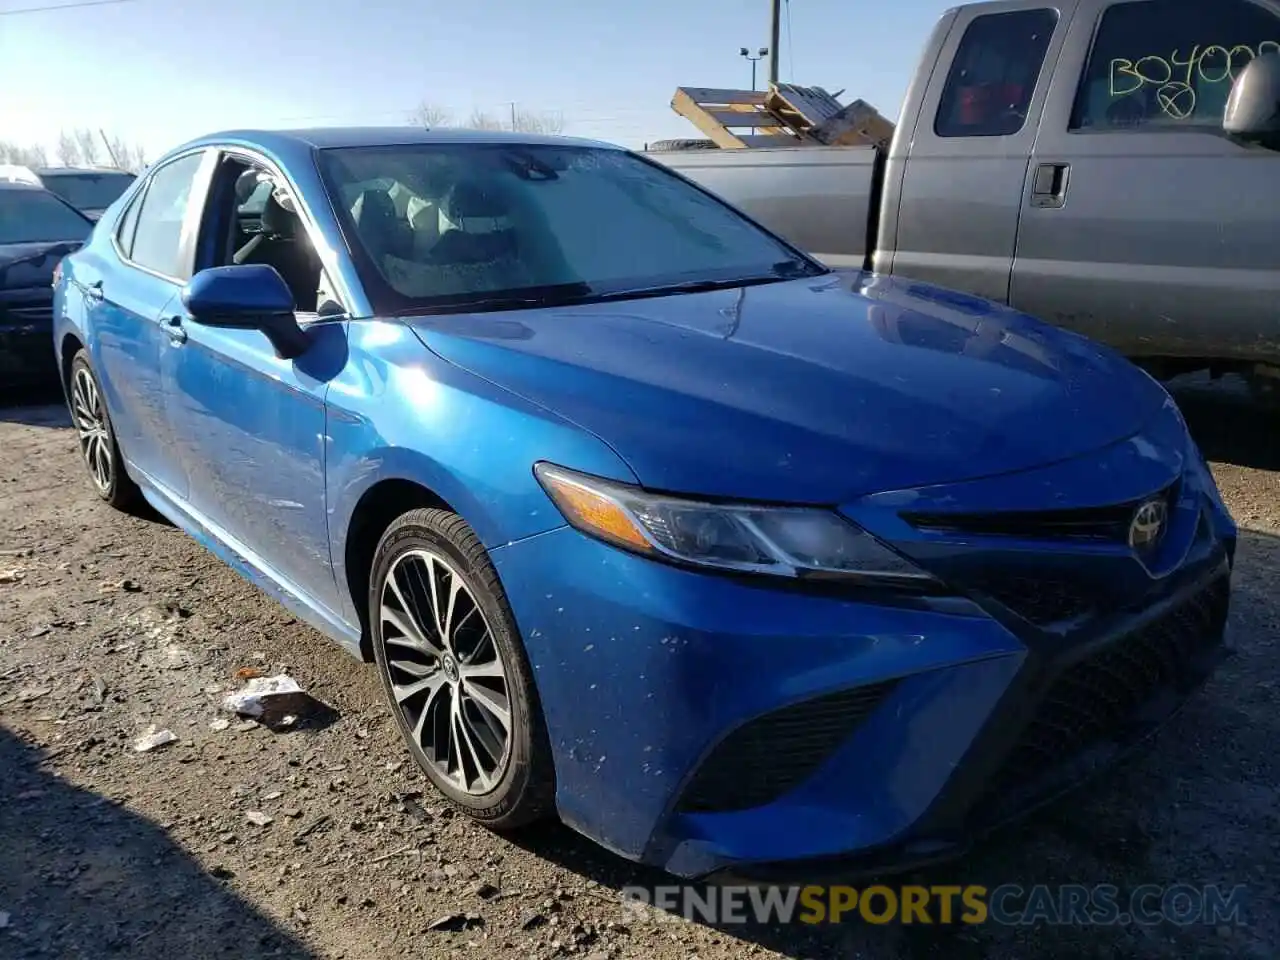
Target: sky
(157,72)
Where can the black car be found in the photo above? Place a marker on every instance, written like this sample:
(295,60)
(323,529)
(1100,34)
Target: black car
(37,229)
(88,189)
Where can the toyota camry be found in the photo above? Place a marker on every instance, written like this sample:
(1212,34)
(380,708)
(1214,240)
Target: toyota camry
(646,519)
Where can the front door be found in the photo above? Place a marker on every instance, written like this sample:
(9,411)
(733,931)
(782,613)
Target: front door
(1143,225)
(251,425)
(126,304)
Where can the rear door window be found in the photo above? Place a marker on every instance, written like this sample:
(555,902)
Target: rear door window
(994,74)
(1170,63)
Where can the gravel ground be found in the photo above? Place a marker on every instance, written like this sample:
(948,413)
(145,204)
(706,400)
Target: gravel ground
(111,624)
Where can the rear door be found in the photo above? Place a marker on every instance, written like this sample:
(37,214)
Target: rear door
(152,246)
(1143,225)
(957,217)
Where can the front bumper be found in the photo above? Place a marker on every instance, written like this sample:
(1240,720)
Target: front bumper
(708,725)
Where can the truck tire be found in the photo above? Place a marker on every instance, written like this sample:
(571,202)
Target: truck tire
(664,146)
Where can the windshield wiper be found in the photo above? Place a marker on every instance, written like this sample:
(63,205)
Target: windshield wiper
(550,296)
(570,293)
(782,270)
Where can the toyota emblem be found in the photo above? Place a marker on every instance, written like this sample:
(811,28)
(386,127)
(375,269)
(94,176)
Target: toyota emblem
(1147,525)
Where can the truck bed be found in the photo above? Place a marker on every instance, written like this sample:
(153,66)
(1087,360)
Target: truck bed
(825,200)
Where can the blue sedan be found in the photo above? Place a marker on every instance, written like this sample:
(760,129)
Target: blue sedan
(648,520)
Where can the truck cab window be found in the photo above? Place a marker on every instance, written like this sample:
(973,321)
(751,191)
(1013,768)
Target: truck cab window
(994,74)
(1169,64)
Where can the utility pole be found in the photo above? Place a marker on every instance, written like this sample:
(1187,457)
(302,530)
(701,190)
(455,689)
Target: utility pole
(513,114)
(111,153)
(775,36)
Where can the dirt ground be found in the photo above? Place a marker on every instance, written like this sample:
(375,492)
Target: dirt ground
(111,624)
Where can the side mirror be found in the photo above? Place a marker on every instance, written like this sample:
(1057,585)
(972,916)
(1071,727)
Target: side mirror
(1253,109)
(250,296)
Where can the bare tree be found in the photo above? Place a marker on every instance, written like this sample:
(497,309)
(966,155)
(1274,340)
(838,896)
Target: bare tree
(546,121)
(126,155)
(479,120)
(525,120)
(67,151)
(429,115)
(83,146)
(87,141)
(33,155)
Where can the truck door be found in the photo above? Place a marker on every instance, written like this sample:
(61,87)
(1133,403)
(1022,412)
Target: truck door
(1142,224)
(975,123)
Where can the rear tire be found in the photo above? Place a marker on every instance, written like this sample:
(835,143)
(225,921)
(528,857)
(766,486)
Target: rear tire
(98,446)
(455,672)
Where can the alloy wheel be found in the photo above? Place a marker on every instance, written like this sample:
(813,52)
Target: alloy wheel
(91,426)
(446,673)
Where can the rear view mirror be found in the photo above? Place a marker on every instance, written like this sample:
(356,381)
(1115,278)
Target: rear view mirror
(1253,109)
(247,297)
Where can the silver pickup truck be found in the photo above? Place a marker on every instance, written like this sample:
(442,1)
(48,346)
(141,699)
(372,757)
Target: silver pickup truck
(1076,160)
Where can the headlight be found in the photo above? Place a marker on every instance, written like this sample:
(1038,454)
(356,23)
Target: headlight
(784,541)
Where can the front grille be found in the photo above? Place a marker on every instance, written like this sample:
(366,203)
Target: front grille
(1043,601)
(1105,524)
(1096,701)
(772,754)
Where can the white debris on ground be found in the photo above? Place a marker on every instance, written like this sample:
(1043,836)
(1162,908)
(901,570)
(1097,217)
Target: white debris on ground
(153,738)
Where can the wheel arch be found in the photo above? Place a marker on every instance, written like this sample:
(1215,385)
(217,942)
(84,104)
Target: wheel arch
(375,510)
(70,345)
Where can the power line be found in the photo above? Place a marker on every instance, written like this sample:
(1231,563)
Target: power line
(62,6)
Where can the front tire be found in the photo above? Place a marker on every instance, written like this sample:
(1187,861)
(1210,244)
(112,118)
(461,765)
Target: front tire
(455,673)
(98,446)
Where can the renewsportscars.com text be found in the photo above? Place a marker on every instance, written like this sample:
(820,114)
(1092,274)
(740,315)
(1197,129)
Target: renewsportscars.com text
(1008,904)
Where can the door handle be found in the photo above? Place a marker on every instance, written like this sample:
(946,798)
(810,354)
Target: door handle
(1050,186)
(93,291)
(173,327)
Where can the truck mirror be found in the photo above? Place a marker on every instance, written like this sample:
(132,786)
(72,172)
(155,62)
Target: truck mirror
(1253,109)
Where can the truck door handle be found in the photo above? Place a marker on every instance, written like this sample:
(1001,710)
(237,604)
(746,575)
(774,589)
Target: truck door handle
(173,327)
(1050,186)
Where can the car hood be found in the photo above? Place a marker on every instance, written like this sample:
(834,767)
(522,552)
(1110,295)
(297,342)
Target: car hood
(809,391)
(30,264)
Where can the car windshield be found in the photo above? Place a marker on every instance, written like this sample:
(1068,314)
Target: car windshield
(499,225)
(31,215)
(88,191)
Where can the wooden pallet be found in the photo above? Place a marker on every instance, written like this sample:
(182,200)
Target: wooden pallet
(734,118)
(787,115)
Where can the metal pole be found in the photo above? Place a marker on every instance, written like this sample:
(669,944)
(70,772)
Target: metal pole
(753,73)
(111,153)
(775,35)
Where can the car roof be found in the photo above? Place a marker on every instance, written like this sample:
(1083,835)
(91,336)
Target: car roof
(323,138)
(21,185)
